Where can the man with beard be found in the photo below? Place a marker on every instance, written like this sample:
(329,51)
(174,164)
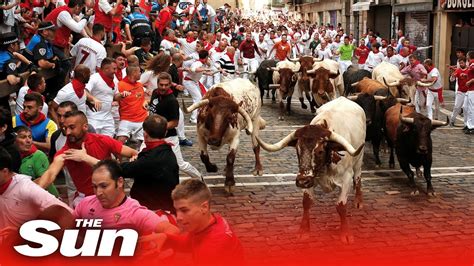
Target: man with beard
(41,127)
(81,151)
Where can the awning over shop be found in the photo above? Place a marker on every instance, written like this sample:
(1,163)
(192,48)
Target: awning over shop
(361,6)
(416,7)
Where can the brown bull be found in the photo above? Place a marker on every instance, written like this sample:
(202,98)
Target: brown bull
(369,86)
(286,87)
(304,81)
(323,90)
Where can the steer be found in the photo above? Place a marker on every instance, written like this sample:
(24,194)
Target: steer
(398,85)
(370,86)
(330,153)
(225,110)
(413,144)
(353,75)
(304,80)
(284,77)
(323,90)
(264,77)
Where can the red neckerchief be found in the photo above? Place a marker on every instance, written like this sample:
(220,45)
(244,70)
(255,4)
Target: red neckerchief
(42,96)
(153,144)
(430,68)
(376,52)
(168,92)
(218,49)
(41,117)
(5,186)
(203,61)
(78,87)
(97,41)
(108,81)
(119,74)
(189,39)
(128,81)
(415,64)
(168,39)
(231,57)
(28,153)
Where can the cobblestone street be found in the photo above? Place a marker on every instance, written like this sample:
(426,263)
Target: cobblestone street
(266,211)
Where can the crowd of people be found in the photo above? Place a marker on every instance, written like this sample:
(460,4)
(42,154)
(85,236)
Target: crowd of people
(103,100)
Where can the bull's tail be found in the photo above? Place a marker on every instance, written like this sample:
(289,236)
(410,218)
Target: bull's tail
(262,123)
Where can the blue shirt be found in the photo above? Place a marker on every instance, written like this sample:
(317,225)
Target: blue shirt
(39,48)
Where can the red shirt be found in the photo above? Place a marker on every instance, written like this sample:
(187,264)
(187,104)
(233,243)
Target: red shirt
(248,49)
(470,74)
(215,245)
(462,75)
(362,53)
(61,38)
(165,18)
(98,146)
(102,18)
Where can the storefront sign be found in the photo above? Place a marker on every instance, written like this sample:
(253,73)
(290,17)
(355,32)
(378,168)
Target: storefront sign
(457,4)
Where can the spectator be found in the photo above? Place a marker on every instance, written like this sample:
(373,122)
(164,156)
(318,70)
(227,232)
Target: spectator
(461,76)
(41,127)
(104,12)
(137,27)
(33,161)
(156,171)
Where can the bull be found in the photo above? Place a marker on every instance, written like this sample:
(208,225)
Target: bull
(411,133)
(353,75)
(326,82)
(304,80)
(398,85)
(225,110)
(374,107)
(264,76)
(330,154)
(284,77)
(370,86)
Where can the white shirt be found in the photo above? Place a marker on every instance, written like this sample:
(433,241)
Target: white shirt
(395,59)
(23,201)
(89,52)
(326,53)
(228,37)
(188,48)
(104,6)
(374,59)
(166,45)
(20,99)
(100,90)
(65,19)
(439,82)
(149,80)
(196,76)
(67,93)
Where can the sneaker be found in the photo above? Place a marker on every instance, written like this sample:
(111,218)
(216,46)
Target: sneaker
(185,142)
(193,121)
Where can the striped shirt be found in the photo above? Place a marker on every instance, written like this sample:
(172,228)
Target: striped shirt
(227,64)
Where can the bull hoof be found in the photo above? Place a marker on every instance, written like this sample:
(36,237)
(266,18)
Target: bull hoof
(313,110)
(274,100)
(432,194)
(257,172)
(211,168)
(304,228)
(419,173)
(415,192)
(347,237)
(267,97)
(304,106)
(281,118)
(391,165)
(378,165)
(358,204)
(229,189)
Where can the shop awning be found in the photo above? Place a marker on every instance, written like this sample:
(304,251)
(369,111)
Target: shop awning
(361,6)
(415,7)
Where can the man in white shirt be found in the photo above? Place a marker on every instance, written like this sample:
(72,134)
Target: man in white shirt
(188,44)
(392,58)
(168,42)
(74,91)
(101,90)
(323,52)
(90,51)
(35,83)
(375,57)
(432,92)
(21,200)
(192,80)
(214,55)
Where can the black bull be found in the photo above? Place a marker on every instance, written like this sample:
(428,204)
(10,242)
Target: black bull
(264,77)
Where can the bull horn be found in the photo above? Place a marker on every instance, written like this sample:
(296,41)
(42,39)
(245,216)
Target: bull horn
(355,84)
(380,98)
(393,84)
(247,118)
(438,123)
(311,71)
(273,68)
(347,146)
(195,106)
(407,120)
(403,100)
(294,59)
(424,84)
(272,86)
(352,97)
(279,145)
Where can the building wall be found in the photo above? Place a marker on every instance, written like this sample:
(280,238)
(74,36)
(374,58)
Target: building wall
(417,29)
(324,6)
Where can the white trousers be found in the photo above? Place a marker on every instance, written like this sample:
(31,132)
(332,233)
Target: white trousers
(185,167)
(432,97)
(420,100)
(458,104)
(252,65)
(195,92)
(343,65)
(469,109)
(103,127)
(180,127)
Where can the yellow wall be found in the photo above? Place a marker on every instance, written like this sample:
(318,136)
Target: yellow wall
(442,44)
